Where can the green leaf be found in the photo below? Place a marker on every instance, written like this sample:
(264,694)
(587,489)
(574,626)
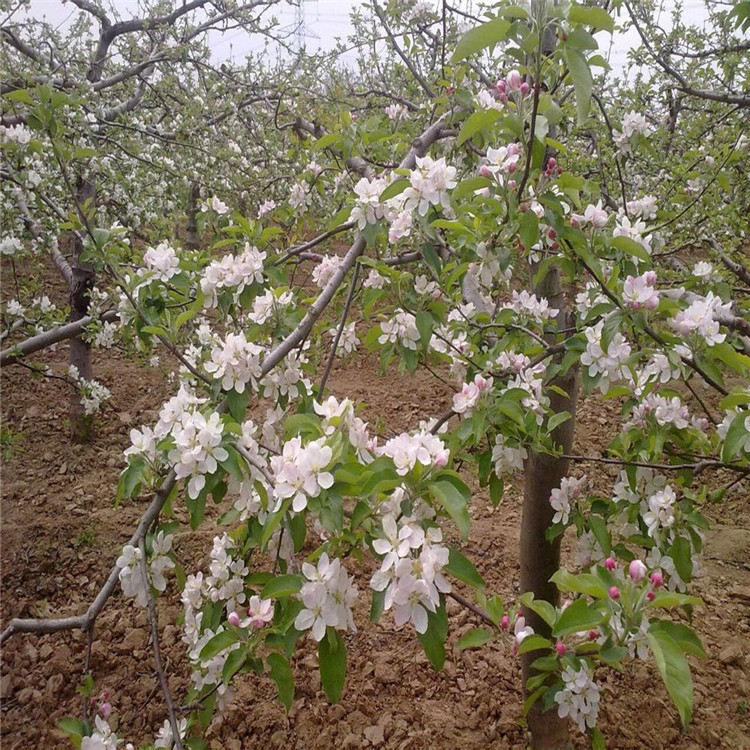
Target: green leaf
(454,504)
(544,609)
(460,567)
(237,403)
(332,660)
(474,638)
(681,553)
(675,671)
(433,641)
(131,478)
(585,583)
(534,643)
(281,674)
(476,123)
(582,81)
(396,187)
(281,586)
(469,186)
(684,636)
(630,247)
(480,37)
(496,489)
(591,16)
(424,323)
(327,141)
(529,229)
(218,643)
(235,661)
(736,436)
(577,617)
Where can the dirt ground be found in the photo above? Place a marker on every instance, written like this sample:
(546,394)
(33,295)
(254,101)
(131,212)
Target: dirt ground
(60,537)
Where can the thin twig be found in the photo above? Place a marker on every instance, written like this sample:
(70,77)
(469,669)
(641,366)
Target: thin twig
(339,332)
(157,651)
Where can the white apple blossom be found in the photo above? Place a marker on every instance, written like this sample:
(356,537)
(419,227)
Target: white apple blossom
(579,699)
(162,261)
(402,328)
(325,270)
(197,449)
(328,596)
(236,362)
(561,497)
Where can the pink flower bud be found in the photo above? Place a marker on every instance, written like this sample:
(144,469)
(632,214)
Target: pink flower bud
(511,184)
(485,171)
(503,97)
(650,277)
(657,579)
(512,167)
(441,460)
(651,596)
(234,619)
(593,635)
(610,563)
(258,623)
(560,648)
(105,695)
(512,149)
(513,79)
(354,116)
(614,593)
(574,222)
(525,88)
(501,86)
(105,710)
(551,162)
(505,622)
(637,571)
(552,234)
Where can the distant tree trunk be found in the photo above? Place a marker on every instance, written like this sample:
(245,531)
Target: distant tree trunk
(540,558)
(192,216)
(81,424)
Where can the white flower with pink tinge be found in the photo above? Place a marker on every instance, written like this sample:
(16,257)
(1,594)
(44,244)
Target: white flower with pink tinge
(328,596)
(593,214)
(639,292)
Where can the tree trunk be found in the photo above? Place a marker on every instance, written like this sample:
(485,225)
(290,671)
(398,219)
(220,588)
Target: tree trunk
(192,217)
(540,558)
(81,424)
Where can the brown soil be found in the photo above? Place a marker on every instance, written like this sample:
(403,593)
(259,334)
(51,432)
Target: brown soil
(60,536)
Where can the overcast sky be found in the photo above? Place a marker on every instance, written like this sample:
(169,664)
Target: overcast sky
(327,20)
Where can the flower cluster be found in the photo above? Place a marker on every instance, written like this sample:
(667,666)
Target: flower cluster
(423,448)
(579,699)
(561,497)
(236,362)
(467,398)
(162,262)
(608,365)
(131,575)
(639,292)
(197,448)
(402,328)
(93,394)
(411,573)
(300,472)
(368,208)
(226,579)
(328,597)
(325,270)
(506,457)
(232,272)
(699,318)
